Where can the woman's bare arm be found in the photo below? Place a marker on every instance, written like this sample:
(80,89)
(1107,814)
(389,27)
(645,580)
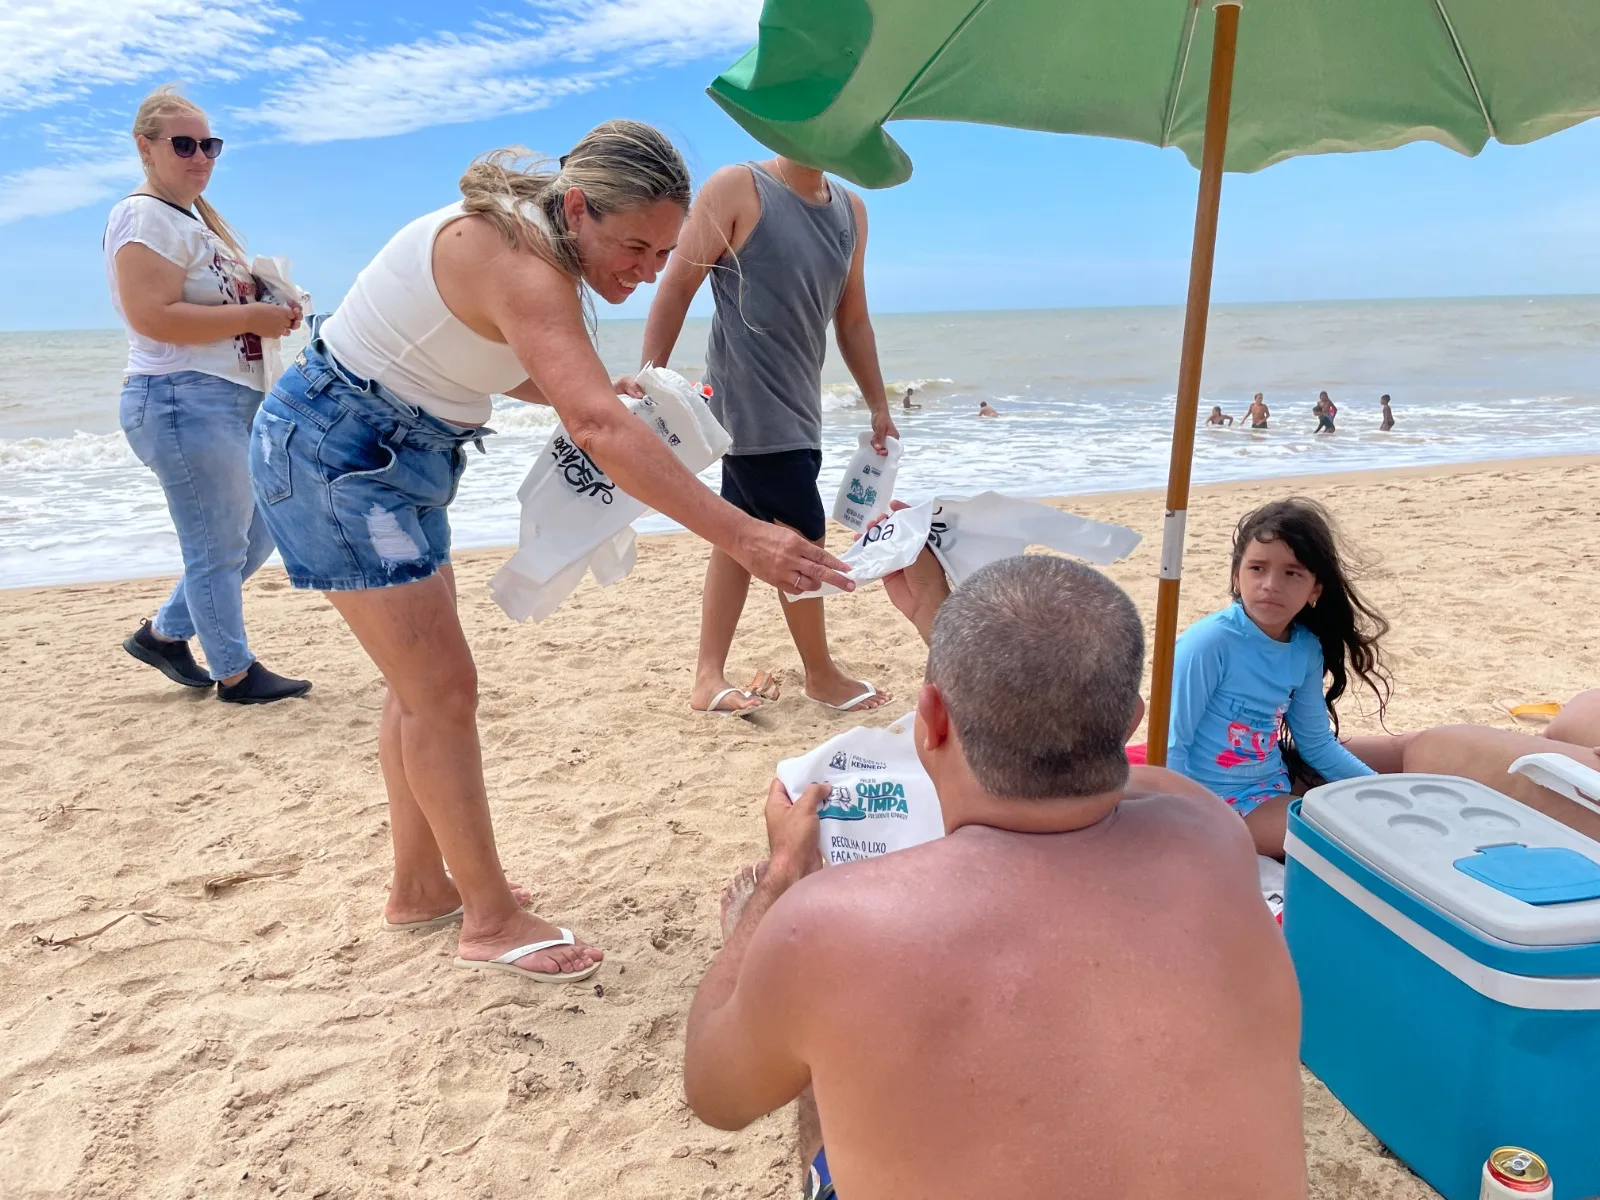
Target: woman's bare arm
(151,290)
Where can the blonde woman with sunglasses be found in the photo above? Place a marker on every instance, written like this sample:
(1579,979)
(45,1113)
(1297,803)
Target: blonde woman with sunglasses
(182,286)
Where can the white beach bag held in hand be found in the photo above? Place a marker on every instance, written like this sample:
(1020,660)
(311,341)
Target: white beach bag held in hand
(868,484)
(879,797)
(974,532)
(969,533)
(881,800)
(272,274)
(576,520)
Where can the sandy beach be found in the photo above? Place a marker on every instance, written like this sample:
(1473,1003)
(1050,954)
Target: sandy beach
(245,1028)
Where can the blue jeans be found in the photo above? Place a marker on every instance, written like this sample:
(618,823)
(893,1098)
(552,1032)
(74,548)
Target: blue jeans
(193,431)
(353,481)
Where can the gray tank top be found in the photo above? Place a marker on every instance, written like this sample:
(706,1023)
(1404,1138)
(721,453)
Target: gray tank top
(770,332)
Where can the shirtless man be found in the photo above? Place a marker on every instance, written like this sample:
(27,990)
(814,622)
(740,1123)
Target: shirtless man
(1388,416)
(985,409)
(1258,412)
(905,401)
(1076,992)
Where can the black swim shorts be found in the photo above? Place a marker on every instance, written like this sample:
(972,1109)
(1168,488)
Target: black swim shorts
(779,487)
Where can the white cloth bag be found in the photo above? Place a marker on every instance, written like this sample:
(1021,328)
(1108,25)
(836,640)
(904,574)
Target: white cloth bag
(868,483)
(968,533)
(880,799)
(576,520)
(272,273)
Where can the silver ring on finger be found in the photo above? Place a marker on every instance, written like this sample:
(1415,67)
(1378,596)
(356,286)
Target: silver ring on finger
(799,581)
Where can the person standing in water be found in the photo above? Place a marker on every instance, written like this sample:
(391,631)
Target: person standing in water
(1218,417)
(785,249)
(1326,411)
(905,401)
(182,286)
(1258,412)
(1388,416)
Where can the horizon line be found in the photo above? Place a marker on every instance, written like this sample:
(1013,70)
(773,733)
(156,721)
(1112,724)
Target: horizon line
(1046,308)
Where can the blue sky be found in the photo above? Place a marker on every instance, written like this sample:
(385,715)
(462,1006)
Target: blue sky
(344,120)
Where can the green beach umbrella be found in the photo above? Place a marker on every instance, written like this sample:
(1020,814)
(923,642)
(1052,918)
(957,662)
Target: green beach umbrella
(1288,77)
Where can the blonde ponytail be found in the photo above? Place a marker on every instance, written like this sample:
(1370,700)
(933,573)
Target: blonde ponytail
(166,102)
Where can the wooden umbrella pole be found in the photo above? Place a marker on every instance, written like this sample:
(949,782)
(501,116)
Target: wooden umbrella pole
(1223,47)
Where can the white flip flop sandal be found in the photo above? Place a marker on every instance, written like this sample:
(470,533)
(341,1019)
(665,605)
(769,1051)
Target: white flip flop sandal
(848,705)
(714,711)
(507,962)
(453,917)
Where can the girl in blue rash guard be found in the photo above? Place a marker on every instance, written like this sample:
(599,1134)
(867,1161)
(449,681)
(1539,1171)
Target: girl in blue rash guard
(1245,676)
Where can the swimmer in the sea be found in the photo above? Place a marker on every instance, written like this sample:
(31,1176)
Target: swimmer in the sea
(1388,416)
(1218,417)
(1325,410)
(905,401)
(985,411)
(1258,412)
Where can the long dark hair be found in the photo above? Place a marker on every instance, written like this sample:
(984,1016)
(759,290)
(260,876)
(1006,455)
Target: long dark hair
(1348,627)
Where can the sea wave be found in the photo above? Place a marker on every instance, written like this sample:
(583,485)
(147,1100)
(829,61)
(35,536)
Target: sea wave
(80,452)
(838,397)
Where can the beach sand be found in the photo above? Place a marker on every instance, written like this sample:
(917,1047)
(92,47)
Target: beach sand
(249,1030)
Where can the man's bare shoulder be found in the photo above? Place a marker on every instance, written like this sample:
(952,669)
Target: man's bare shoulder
(732,189)
(857,895)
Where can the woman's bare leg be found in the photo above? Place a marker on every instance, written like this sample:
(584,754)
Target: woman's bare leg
(412,634)
(1475,752)
(1385,753)
(420,890)
(1578,723)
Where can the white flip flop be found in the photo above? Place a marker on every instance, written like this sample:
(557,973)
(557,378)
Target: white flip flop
(507,962)
(713,711)
(848,705)
(453,917)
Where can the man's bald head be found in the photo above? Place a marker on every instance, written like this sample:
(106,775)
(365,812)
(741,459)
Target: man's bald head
(1039,660)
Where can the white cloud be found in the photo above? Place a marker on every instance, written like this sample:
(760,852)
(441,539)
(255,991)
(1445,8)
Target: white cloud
(53,51)
(453,78)
(42,191)
(56,52)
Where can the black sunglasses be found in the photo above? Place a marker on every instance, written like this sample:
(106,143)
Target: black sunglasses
(184,146)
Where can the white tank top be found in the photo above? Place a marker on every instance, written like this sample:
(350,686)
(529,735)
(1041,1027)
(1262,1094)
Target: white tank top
(394,327)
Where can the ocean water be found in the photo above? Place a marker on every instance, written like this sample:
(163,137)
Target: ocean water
(1085,395)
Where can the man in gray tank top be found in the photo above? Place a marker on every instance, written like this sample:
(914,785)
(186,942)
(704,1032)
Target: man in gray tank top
(784,247)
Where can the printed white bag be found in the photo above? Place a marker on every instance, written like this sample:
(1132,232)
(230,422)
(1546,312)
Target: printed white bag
(574,517)
(969,533)
(272,273)
(892,545)
(868,484)
(880,799)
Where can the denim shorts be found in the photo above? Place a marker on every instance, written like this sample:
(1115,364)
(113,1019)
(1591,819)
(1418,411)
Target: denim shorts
(352,480)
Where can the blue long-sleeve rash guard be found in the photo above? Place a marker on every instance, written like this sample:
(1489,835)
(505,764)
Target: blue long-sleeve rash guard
(1231,687)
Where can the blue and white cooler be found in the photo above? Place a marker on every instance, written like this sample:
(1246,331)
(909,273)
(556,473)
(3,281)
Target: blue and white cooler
(1447,942)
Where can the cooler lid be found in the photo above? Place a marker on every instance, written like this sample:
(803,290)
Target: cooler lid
(1483,858)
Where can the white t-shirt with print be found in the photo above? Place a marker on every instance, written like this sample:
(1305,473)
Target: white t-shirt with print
(213,274)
